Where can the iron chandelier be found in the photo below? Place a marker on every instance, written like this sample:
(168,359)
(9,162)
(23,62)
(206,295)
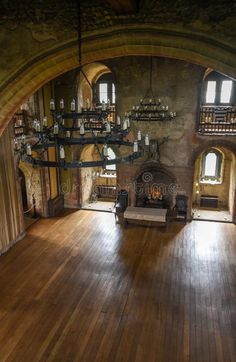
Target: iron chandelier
(89,125)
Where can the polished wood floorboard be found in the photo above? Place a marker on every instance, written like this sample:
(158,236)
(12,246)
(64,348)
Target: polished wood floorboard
(82,288)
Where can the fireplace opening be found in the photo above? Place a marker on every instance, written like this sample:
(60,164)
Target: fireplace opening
(155,188)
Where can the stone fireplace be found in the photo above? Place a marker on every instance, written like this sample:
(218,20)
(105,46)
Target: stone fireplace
(155,187)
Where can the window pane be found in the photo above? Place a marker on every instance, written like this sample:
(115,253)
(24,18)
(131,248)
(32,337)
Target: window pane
(210,165)
(103,92)
(113,93)
(226,91)
(211,92)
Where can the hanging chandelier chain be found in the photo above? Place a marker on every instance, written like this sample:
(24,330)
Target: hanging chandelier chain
(79,32)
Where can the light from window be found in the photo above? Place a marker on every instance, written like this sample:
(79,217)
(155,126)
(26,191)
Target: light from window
(211,91)
(111,156)
(210,164)
(113,94)
(103,94)
(226,91)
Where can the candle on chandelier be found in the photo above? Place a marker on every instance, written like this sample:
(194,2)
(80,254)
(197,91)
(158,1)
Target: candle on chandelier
(62,153)
(135,147)
(139,136)
(81,130)
(118,121)
(146,140)
(37,127)
(17,146)
(45,121)
(125,125)
(108,127)
(72,105)
(55,128)
(52,105)
(62,104)
(28,150)
(105,151)
(103,106)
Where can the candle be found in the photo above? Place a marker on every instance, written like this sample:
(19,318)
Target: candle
(45,121)
(28,150)
(139,136)
(146,140)
(108,127)
(37,127)
(55,129)
(17,146)
(67,134)
(81,130)
(105,151)
(124,125)
(135,146)
(52,105)
(62,104)
(62,153)
(72,105)
(103,106)
(118,121)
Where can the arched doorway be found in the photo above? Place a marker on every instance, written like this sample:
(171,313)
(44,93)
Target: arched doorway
(97,185)
(214,184)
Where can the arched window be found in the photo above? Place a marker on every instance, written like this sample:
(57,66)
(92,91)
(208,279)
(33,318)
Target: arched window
(211,167)
(105,89)
(111,156)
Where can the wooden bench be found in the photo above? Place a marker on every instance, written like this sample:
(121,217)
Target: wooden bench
(139,214)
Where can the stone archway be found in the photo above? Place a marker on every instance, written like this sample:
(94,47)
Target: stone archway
(113,42)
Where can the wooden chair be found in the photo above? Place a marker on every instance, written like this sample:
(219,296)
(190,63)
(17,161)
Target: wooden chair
(121,203)
(181,207)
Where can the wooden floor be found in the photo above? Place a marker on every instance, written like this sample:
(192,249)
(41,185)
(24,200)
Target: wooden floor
(81,288)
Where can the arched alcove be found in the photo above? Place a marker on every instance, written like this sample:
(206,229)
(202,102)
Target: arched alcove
(214,184)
